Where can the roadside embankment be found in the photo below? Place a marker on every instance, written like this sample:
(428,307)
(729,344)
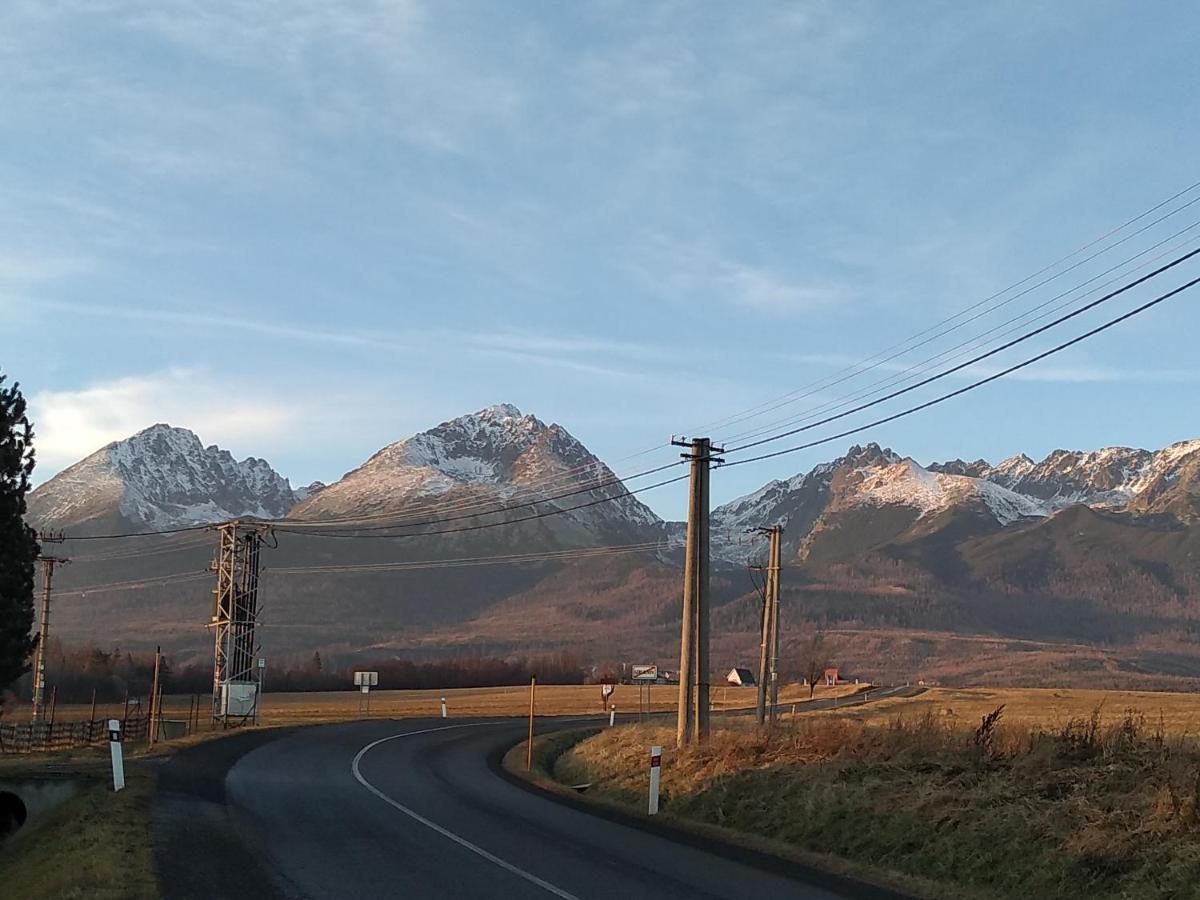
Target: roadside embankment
(93,844)
(1092,808)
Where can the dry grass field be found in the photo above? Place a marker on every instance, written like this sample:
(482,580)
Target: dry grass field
(1079,794)
(1178,714)
(552,700)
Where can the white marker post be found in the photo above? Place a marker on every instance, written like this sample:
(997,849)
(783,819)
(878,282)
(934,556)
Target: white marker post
(118,759)
(443,707)
(612,716)
(655,772)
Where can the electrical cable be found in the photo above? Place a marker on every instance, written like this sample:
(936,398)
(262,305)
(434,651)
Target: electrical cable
(973,343)
(975,359)
(862,366)
(1008,371)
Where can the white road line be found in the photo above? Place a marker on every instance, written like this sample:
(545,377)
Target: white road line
(417,817)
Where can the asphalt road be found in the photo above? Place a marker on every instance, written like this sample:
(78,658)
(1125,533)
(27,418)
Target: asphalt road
(415,809)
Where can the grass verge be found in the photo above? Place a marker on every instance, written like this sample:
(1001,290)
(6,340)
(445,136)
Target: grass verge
(550,774)
(1089,809)
(95,845)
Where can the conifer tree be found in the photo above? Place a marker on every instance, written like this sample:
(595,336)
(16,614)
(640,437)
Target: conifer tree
(18,543)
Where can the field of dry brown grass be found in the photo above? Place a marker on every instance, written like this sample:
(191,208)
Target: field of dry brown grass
(1177,714)
(1058,802)
(552,700)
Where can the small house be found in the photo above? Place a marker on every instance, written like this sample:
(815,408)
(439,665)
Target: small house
(740,676)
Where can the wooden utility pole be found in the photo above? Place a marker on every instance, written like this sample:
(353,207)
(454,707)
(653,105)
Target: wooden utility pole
(529,743)
(760,710)
(776,540)
(39,663)
(154,699)
(768,648)
(692,723)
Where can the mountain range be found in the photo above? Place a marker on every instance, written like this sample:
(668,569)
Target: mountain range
(1084,562)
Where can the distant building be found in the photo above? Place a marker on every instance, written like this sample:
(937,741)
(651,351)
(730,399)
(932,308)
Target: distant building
(740,676)
(831,676)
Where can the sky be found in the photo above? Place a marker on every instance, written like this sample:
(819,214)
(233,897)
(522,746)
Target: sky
(305,230)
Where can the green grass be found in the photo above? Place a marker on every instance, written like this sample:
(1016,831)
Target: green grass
(97,845)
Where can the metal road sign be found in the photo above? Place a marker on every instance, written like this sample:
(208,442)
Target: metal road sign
(645,673)
(366,679)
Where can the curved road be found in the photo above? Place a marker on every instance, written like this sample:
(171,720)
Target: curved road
(418,808)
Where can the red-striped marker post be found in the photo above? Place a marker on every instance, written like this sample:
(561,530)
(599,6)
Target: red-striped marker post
(655,773)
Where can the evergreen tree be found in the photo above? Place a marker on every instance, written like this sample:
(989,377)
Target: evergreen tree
(18,543)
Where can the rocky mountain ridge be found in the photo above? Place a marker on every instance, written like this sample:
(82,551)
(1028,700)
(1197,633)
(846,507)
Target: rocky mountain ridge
(161,477)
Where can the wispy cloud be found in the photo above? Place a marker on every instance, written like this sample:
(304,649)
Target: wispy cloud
(574,353)
(32,267)
(764,290)
(681,270)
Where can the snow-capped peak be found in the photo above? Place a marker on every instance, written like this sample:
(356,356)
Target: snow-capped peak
(163,477)
(497,450)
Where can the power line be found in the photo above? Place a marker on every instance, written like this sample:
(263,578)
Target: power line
(553,512)
(975,359)
(139,534)
(531,489)
(139,583)
(925,365)
(316,527)
(862,367)
(466,562)
(936,400)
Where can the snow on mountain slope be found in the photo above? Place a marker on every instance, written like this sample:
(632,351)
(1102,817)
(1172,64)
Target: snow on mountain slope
(161,477)
(907,484)
(496,453)
(1118,478)
(795,503)
(1109,478)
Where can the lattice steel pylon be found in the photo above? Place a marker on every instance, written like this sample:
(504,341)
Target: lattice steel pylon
(235,620)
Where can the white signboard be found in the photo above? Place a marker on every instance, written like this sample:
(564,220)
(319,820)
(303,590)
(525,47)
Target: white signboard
(366,679)
(645,673)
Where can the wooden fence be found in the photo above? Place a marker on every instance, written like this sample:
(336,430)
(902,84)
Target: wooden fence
(35,737)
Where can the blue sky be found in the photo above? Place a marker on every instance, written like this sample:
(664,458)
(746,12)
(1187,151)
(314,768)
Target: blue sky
(308,229)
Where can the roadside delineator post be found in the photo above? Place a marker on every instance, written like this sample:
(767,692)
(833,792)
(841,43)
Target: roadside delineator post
(655,772)
(612,716)
(443,707)
(118,759)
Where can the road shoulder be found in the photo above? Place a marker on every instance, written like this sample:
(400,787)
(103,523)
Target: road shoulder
(202,847)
